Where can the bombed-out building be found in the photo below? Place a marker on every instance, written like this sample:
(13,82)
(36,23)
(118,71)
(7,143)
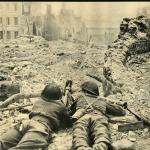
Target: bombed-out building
(71,26)
(10,15)
(17,18)
(31,14)
(27,18)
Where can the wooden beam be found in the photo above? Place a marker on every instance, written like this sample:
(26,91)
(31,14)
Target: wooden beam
(16,107)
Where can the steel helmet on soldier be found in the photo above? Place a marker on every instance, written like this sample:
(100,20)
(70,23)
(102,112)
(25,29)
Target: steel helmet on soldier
(90,87)
(51,92)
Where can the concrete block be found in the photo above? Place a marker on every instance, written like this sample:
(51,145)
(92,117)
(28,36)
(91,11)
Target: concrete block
(130,126)
(123,144)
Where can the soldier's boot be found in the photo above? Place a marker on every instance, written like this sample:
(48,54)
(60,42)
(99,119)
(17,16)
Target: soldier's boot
(84,148)
(10,138)
(81,134)
(100,133)
(100,146)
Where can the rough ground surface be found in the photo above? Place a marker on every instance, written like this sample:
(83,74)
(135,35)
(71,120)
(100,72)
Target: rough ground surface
(125,64)
(32,65)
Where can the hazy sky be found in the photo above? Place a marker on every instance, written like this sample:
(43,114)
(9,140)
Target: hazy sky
(120,8)
(110,13)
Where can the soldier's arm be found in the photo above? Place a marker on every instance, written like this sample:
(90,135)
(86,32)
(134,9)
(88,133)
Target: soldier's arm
(79,113)
(16,97)
(67,99)
(114,109)
(80,109)
(66,118)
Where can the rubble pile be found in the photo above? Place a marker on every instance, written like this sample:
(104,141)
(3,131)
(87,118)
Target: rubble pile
(127,66)
(40,61)
(28,64)
(127,60)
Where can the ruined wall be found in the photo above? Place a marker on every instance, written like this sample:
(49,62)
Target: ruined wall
(26,25)
(126,56)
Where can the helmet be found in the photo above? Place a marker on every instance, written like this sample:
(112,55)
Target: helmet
(90,87)
(51,92)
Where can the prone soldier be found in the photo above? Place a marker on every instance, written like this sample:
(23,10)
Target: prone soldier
(91,130)
(48,115)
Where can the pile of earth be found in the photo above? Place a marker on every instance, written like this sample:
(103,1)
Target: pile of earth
(127,63)
(127,67)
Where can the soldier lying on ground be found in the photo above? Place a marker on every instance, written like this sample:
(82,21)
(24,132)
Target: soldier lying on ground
(48,115)
(91,130)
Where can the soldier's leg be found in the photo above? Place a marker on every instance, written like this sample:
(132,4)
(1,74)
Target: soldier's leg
(81,134)
(32,140)
(100,133)
(10,138)
(37,137)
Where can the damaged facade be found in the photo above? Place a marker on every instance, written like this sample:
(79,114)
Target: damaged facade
(17,18)
(10,14)
(30,13)
(71,26)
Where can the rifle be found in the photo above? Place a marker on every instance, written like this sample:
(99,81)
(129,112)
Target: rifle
(145,121)
(139,118)
(68,100)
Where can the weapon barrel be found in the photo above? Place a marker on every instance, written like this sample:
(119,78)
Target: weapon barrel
(67,91)
(145,121)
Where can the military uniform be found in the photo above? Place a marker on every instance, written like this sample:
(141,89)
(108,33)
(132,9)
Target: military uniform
(35,133)
(91,130)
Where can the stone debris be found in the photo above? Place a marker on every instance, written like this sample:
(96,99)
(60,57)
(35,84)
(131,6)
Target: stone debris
(123,145)
(143,144)
(132,136)
(130,126)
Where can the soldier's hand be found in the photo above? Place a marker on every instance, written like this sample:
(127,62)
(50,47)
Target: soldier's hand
(74,119)
(122,104)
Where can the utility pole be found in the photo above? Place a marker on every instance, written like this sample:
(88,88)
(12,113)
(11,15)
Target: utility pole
(26,16)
